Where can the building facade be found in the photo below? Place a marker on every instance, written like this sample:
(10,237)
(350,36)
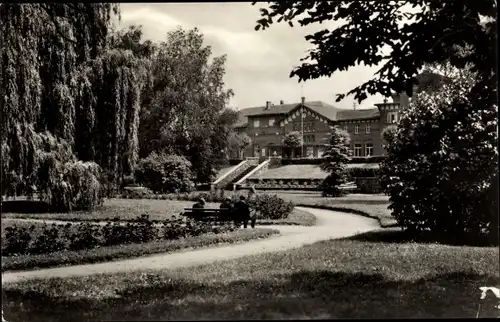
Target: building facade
(267,125)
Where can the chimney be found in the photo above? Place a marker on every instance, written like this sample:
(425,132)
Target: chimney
(282,102)
(404,100)
(303,99)
(268,104)
(396,98)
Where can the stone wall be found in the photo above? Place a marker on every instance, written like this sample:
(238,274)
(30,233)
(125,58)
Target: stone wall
(368,184)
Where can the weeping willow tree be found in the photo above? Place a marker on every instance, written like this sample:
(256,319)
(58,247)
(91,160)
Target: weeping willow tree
(61,82)
(108,113)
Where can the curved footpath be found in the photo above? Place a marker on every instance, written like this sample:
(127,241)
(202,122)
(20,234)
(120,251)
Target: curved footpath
(329,225)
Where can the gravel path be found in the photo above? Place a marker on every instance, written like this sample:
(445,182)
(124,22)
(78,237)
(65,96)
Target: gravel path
(329,225)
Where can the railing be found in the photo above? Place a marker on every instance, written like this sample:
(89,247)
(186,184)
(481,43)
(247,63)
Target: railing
(227,178)
(261,167)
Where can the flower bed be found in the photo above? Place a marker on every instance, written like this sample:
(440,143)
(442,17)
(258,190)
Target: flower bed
(285,184)
(42,239)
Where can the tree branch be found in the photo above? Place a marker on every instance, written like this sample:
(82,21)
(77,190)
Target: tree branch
(56,24)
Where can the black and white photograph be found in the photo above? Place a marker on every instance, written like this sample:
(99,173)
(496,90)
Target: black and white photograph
(267,160)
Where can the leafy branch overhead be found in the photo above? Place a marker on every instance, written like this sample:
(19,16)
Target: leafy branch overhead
(402,36)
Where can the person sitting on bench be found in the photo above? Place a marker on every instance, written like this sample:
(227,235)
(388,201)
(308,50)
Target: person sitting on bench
(199,205)
(228,205)
(242,212)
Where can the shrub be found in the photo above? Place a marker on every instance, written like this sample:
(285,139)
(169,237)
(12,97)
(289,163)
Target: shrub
(87,236)
(165,173)
(49,241)
(336,156)
(271,207)
(70,186)
(362,172)
(330,186)
(17,240)
(441,162)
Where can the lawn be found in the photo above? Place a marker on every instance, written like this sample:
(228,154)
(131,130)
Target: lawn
(349,278)
(158,210)
(372,205)
(305,171)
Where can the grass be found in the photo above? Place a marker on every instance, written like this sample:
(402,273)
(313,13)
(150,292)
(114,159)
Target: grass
(374,206)
(126,209)
(105,254)
(158,210)
(348,278)
(304,171)
(297,217)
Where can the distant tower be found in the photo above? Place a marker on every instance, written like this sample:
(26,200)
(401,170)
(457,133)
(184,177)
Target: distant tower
(354,105)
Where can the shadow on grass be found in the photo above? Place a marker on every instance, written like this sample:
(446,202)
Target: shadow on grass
(25,206)
(302,295)
(397,235)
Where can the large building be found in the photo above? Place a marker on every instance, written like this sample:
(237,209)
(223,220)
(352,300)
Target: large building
(266,125)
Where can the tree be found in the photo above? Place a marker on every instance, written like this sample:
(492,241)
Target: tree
(336,156)
(442,163)
(186,113)
(388,134)
(292,140)
(65,84)
(239,142)
(41,66)
(403,35)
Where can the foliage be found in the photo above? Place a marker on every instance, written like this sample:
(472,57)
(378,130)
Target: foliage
(405,36)
(335,158)
(165,173)
(66,84)
(238,141)
(330,186)
(388,134)
(292,139)
(270,207)
(56,237)
(362,172)
(442,160)
(71,186)
(185,113)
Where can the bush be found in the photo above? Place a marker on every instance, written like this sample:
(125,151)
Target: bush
(165,173)
(56,237)
(441,164)
(70,186)
(271,207)
(330,186)
(17,240)
(362,172)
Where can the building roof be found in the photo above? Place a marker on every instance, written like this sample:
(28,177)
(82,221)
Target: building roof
(344,115)
(326,110)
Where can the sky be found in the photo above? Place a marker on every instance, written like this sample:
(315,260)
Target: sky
(258,63)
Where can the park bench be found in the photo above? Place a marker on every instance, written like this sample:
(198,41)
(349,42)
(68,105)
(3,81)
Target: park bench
(348,186)
(208,214)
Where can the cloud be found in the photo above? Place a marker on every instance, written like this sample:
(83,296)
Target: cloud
(258,62)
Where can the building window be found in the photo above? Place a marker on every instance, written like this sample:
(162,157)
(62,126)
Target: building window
(368,149)
(392,117)
(271,121)
(256,123)
(357,149)
(368,128)
(345,128)
(356,129)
